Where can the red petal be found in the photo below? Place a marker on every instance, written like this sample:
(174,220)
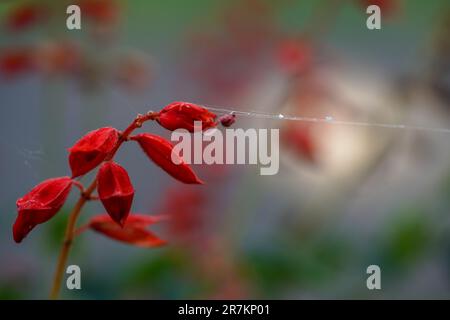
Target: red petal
(91,150)
(160,151)
(115,191)
(182,115)
(40,204)
(133,232)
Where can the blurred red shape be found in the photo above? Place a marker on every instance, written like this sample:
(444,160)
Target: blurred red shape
(58,58)
(17,61)
(25,15)
(186,213)
(133,72)
(100,11)
(387,7)
(298,138)
(294,56)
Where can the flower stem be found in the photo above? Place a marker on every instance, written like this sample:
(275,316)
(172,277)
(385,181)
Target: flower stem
(68,239)
(84,197)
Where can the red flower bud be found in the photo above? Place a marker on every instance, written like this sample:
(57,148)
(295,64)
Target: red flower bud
(181,115)
(115,191)
(228,119)
(40,204)
(91,150)
(159,151)
(133,232)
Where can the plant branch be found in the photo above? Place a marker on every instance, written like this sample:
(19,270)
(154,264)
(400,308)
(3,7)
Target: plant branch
(84,197)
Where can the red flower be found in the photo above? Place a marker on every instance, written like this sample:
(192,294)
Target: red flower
(159,151)
(181,115)
(25,15)
(40,204)
(133,232)
(91,150)
(16,61)
(115,191)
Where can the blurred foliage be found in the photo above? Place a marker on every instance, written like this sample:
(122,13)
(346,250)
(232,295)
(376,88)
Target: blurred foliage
(168,275)
(445,189)
(405,239)
(311,262)
(10,292)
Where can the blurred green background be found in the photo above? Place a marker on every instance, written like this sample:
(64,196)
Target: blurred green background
(345,197)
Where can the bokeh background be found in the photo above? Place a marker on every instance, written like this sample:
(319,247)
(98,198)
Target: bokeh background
(344,198)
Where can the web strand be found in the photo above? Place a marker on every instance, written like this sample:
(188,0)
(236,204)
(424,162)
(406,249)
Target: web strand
(326,120)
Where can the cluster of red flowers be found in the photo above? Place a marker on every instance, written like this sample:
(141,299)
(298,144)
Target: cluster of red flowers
(226,60)
(69,58)
(114,187)
(130,71)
